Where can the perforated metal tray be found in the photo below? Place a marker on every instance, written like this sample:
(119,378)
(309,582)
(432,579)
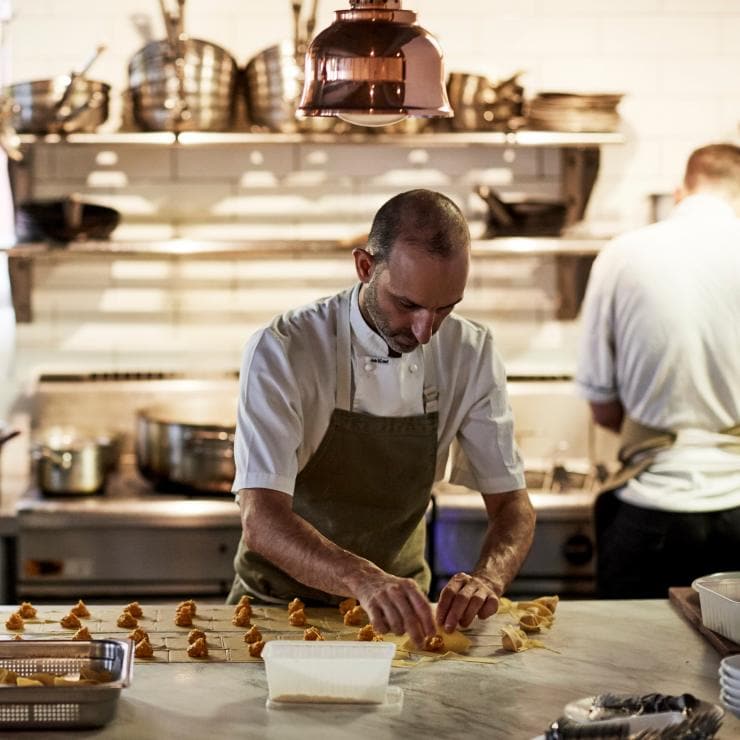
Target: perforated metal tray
(63,707)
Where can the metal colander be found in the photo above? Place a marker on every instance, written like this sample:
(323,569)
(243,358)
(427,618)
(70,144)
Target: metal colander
(50,707)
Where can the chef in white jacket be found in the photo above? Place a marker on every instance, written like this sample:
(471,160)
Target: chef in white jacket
(347,411)
(660,364)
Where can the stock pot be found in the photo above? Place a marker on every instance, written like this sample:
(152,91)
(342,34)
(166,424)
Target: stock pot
(67,461)
(187,445)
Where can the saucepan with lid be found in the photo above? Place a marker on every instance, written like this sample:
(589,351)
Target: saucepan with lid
(187,445)
(73,462)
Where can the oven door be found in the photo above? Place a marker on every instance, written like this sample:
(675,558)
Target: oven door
(62,556)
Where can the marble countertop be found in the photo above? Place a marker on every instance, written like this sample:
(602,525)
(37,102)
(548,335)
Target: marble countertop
(626,647)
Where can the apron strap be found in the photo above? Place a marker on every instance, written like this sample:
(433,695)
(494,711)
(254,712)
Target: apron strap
(344,352)
(431,390)
(344,361)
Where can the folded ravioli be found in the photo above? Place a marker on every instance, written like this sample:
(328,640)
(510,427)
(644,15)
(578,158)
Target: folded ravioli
(452,642)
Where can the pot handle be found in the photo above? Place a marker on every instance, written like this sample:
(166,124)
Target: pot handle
(7,436)
(206,439)
(499,211)
(61,109)
(61,460)
(94,101)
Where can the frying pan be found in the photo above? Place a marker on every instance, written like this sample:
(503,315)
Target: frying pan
(529,217)
(64,220)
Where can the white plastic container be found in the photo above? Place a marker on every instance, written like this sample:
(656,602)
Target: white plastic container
(328,672)
(719,596)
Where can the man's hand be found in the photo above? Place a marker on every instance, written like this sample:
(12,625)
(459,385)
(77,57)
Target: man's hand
(508,538)
(465,597)
(396,605)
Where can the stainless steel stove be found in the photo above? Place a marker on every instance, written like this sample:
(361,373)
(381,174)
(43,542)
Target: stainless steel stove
(565,458)
(135,540)
(132,539)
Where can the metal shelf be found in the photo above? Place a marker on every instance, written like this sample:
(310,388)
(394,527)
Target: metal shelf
(434,139)
(290,248)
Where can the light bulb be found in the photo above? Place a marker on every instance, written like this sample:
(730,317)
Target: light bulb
(372,119)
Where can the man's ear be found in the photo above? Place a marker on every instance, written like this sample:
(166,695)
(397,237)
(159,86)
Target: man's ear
(364,264)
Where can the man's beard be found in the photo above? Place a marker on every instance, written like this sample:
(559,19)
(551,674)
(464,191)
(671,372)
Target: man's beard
(399,341)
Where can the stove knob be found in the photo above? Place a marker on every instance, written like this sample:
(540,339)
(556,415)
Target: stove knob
(578,549)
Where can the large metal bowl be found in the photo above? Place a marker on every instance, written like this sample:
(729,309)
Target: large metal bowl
(189,88)
(273,85)
(37,110)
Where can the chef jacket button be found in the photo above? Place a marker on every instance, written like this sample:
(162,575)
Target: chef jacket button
(413,368)
(368,367)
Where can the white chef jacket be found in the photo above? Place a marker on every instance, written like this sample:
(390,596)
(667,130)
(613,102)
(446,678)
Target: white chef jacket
(661,333)
(288,386)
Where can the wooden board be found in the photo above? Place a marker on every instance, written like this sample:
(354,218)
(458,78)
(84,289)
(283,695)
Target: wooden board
(686,600)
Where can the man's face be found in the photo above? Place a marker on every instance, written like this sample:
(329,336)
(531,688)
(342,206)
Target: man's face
(407,298)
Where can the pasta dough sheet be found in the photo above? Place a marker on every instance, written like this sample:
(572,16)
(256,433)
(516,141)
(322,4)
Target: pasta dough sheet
(225,641)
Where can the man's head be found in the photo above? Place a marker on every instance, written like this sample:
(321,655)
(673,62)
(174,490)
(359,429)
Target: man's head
(714,169)
(414,268)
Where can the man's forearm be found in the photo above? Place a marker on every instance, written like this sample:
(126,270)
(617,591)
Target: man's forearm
(508,539)
(272,530)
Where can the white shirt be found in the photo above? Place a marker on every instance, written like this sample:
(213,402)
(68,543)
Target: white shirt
(288,386)
(661,333)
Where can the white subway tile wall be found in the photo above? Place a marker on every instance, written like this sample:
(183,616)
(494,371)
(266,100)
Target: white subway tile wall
(677,61)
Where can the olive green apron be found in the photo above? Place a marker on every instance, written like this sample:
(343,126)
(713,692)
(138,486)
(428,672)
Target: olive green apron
(366,488)
(639,446)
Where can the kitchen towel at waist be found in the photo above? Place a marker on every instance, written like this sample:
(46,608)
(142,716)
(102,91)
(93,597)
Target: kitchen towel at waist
(640,445)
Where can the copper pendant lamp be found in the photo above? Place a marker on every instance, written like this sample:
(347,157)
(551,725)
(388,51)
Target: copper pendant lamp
(374,66)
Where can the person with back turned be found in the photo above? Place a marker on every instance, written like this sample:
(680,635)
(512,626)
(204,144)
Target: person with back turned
(347,411)
(660,364)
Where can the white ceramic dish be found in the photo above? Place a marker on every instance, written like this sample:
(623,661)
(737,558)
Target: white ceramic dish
(728,701)
(579,711)
(337,672)
(730,687)
(730,666)
(719,596)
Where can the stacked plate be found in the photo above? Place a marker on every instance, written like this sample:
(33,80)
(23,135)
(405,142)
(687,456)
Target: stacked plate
(561,111)
(729,682)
